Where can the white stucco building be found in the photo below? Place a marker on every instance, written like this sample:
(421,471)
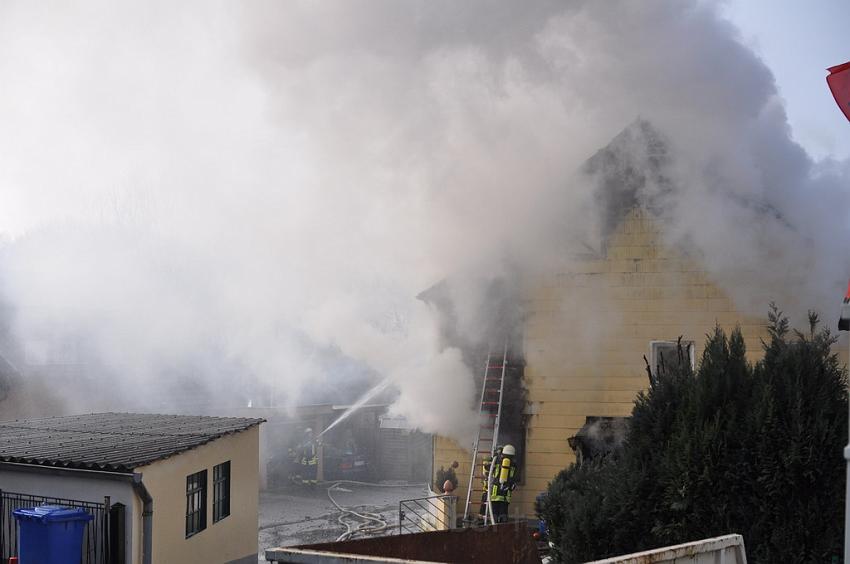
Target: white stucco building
(180,488)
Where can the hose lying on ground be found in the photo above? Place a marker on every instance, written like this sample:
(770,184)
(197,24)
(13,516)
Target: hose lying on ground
(371,523)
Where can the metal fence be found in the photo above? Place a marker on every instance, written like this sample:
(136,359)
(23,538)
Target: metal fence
(425,514)
(96,538)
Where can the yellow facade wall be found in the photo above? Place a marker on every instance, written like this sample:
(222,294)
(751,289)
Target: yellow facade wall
(587,329)
(232,538)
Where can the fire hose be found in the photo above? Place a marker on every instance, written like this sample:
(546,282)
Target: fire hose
(370,523)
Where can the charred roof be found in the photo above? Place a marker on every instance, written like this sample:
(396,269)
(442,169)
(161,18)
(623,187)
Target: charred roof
(629,173)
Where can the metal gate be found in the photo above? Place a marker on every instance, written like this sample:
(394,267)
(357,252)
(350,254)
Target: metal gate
(95,538)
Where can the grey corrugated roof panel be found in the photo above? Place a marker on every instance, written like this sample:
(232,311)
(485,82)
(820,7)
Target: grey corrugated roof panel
(117,442)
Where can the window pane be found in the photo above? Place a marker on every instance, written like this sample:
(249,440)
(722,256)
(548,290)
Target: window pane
(196,495)
(221,491)
(666,353)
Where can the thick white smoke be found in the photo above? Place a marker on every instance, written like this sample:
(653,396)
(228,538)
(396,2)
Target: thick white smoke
(220,194)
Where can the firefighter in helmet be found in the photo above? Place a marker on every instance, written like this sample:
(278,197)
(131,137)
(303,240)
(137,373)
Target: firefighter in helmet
(309,458)
(503,482)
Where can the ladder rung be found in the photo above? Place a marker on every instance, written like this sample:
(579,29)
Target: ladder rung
(495,389)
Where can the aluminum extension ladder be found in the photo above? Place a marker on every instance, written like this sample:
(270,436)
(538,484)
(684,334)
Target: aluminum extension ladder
(492,391)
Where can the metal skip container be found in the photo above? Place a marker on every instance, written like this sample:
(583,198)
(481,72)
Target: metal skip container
(51,534)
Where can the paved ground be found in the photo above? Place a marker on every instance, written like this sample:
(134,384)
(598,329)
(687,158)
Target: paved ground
(301,516)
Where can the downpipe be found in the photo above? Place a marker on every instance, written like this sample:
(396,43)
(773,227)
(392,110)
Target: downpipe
(147,518)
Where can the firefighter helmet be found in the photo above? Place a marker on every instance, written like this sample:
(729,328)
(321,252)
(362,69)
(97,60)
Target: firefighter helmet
(509,450)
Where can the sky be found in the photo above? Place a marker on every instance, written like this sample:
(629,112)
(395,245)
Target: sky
(798,41)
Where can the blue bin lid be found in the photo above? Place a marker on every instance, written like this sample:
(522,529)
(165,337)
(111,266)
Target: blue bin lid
(52,514)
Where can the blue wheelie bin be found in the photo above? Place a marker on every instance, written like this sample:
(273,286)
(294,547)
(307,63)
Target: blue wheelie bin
(51,534)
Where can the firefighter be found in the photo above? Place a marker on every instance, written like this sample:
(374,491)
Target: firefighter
(485,473)
(485,477)
(309,459)
(503,483)
(293,462)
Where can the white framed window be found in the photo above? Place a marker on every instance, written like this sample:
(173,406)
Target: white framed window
(196,503)
(221,491)
(669,353)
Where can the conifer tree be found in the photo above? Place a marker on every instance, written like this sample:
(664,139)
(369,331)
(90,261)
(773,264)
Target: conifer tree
(735,448)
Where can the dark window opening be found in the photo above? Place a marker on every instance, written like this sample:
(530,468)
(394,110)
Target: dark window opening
(196,503)
(599,437)
(221,491)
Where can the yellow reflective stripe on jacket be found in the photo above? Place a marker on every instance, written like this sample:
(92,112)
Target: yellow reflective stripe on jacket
(496,496)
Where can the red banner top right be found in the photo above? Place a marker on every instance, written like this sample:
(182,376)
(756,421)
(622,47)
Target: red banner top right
(839,83)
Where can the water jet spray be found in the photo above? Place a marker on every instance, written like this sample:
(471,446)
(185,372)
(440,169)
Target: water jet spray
(380,387)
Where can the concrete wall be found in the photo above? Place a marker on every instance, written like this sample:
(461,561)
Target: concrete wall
(234,538)
(728,549)
(80,487)
(588,326)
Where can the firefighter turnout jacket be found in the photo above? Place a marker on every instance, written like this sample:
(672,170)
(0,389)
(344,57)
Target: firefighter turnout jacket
(504,479)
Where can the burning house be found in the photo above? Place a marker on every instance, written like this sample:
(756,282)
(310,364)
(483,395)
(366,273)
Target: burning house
(577,333)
